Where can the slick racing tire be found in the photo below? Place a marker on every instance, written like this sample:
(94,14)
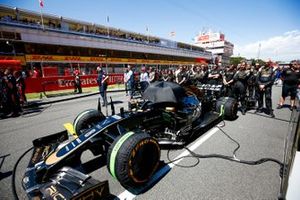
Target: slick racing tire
(227,107)
(133,158)
(87,119)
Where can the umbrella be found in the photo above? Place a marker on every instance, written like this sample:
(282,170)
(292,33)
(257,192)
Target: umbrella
(164,92)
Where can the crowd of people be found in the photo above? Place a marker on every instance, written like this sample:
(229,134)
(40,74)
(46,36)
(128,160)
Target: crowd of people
(12,93)
(243,82)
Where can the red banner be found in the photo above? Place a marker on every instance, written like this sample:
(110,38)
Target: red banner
(66,82)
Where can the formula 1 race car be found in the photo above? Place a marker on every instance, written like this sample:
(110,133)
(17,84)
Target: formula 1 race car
(167,114)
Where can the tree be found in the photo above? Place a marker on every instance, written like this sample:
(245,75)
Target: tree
(236,60)
(254,61)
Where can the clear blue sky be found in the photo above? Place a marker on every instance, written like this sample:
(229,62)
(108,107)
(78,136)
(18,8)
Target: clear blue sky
(242,21)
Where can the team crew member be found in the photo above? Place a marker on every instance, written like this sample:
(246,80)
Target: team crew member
(171,76)
(152,75)
(265,79)
(165,76)
(199,75)
(181,76)
(189,71)
(291,77)
(240,84)
(144,79)
(214,76)
(228,80)
(252,87)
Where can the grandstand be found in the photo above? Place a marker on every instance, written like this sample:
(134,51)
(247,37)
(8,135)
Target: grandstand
(60,44)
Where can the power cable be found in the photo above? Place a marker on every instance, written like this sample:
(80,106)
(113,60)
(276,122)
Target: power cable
(232,158)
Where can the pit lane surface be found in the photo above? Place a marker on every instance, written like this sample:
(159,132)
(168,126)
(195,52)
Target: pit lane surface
(258,135)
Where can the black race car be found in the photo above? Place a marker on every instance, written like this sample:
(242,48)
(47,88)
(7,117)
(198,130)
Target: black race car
(167,114)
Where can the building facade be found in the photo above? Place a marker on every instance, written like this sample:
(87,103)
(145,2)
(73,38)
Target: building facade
(215,43)
(58,46)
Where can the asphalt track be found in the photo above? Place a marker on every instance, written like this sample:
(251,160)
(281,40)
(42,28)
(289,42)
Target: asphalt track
(258,135)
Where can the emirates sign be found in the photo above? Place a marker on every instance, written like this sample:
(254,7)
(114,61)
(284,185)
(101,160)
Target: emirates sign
(210,37)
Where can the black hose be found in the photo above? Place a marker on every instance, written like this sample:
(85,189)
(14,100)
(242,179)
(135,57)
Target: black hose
(232,158)
(14,173)
(183,166)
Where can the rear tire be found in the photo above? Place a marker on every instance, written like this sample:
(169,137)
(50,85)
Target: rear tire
(228,107)
(86,120)
(133,158)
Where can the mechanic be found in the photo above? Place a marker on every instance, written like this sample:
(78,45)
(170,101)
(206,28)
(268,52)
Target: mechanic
(291,80)
(181,76)
(190,73)
(252,87)
(228,80)
(199,75)
(171,76)
(240,84)
(152,75)
(214,76)
(165,76)
(265,79)
(144,79)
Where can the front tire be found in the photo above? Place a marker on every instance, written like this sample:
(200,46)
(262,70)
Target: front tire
(133,158)
(86,120)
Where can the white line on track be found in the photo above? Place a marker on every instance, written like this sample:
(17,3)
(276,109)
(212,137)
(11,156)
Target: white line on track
(126,195)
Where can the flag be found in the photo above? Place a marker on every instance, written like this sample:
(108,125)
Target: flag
(172,34)
(107,19)
(147,28)
(41,3)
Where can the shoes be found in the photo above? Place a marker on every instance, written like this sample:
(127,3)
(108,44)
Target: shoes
(258,110)
(272,115)
(243,112)
(279,106)
(15,114)
(293,108)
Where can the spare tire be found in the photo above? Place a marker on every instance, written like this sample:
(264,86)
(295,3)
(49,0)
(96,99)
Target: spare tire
(86,120)
(133,158)
(227,107)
